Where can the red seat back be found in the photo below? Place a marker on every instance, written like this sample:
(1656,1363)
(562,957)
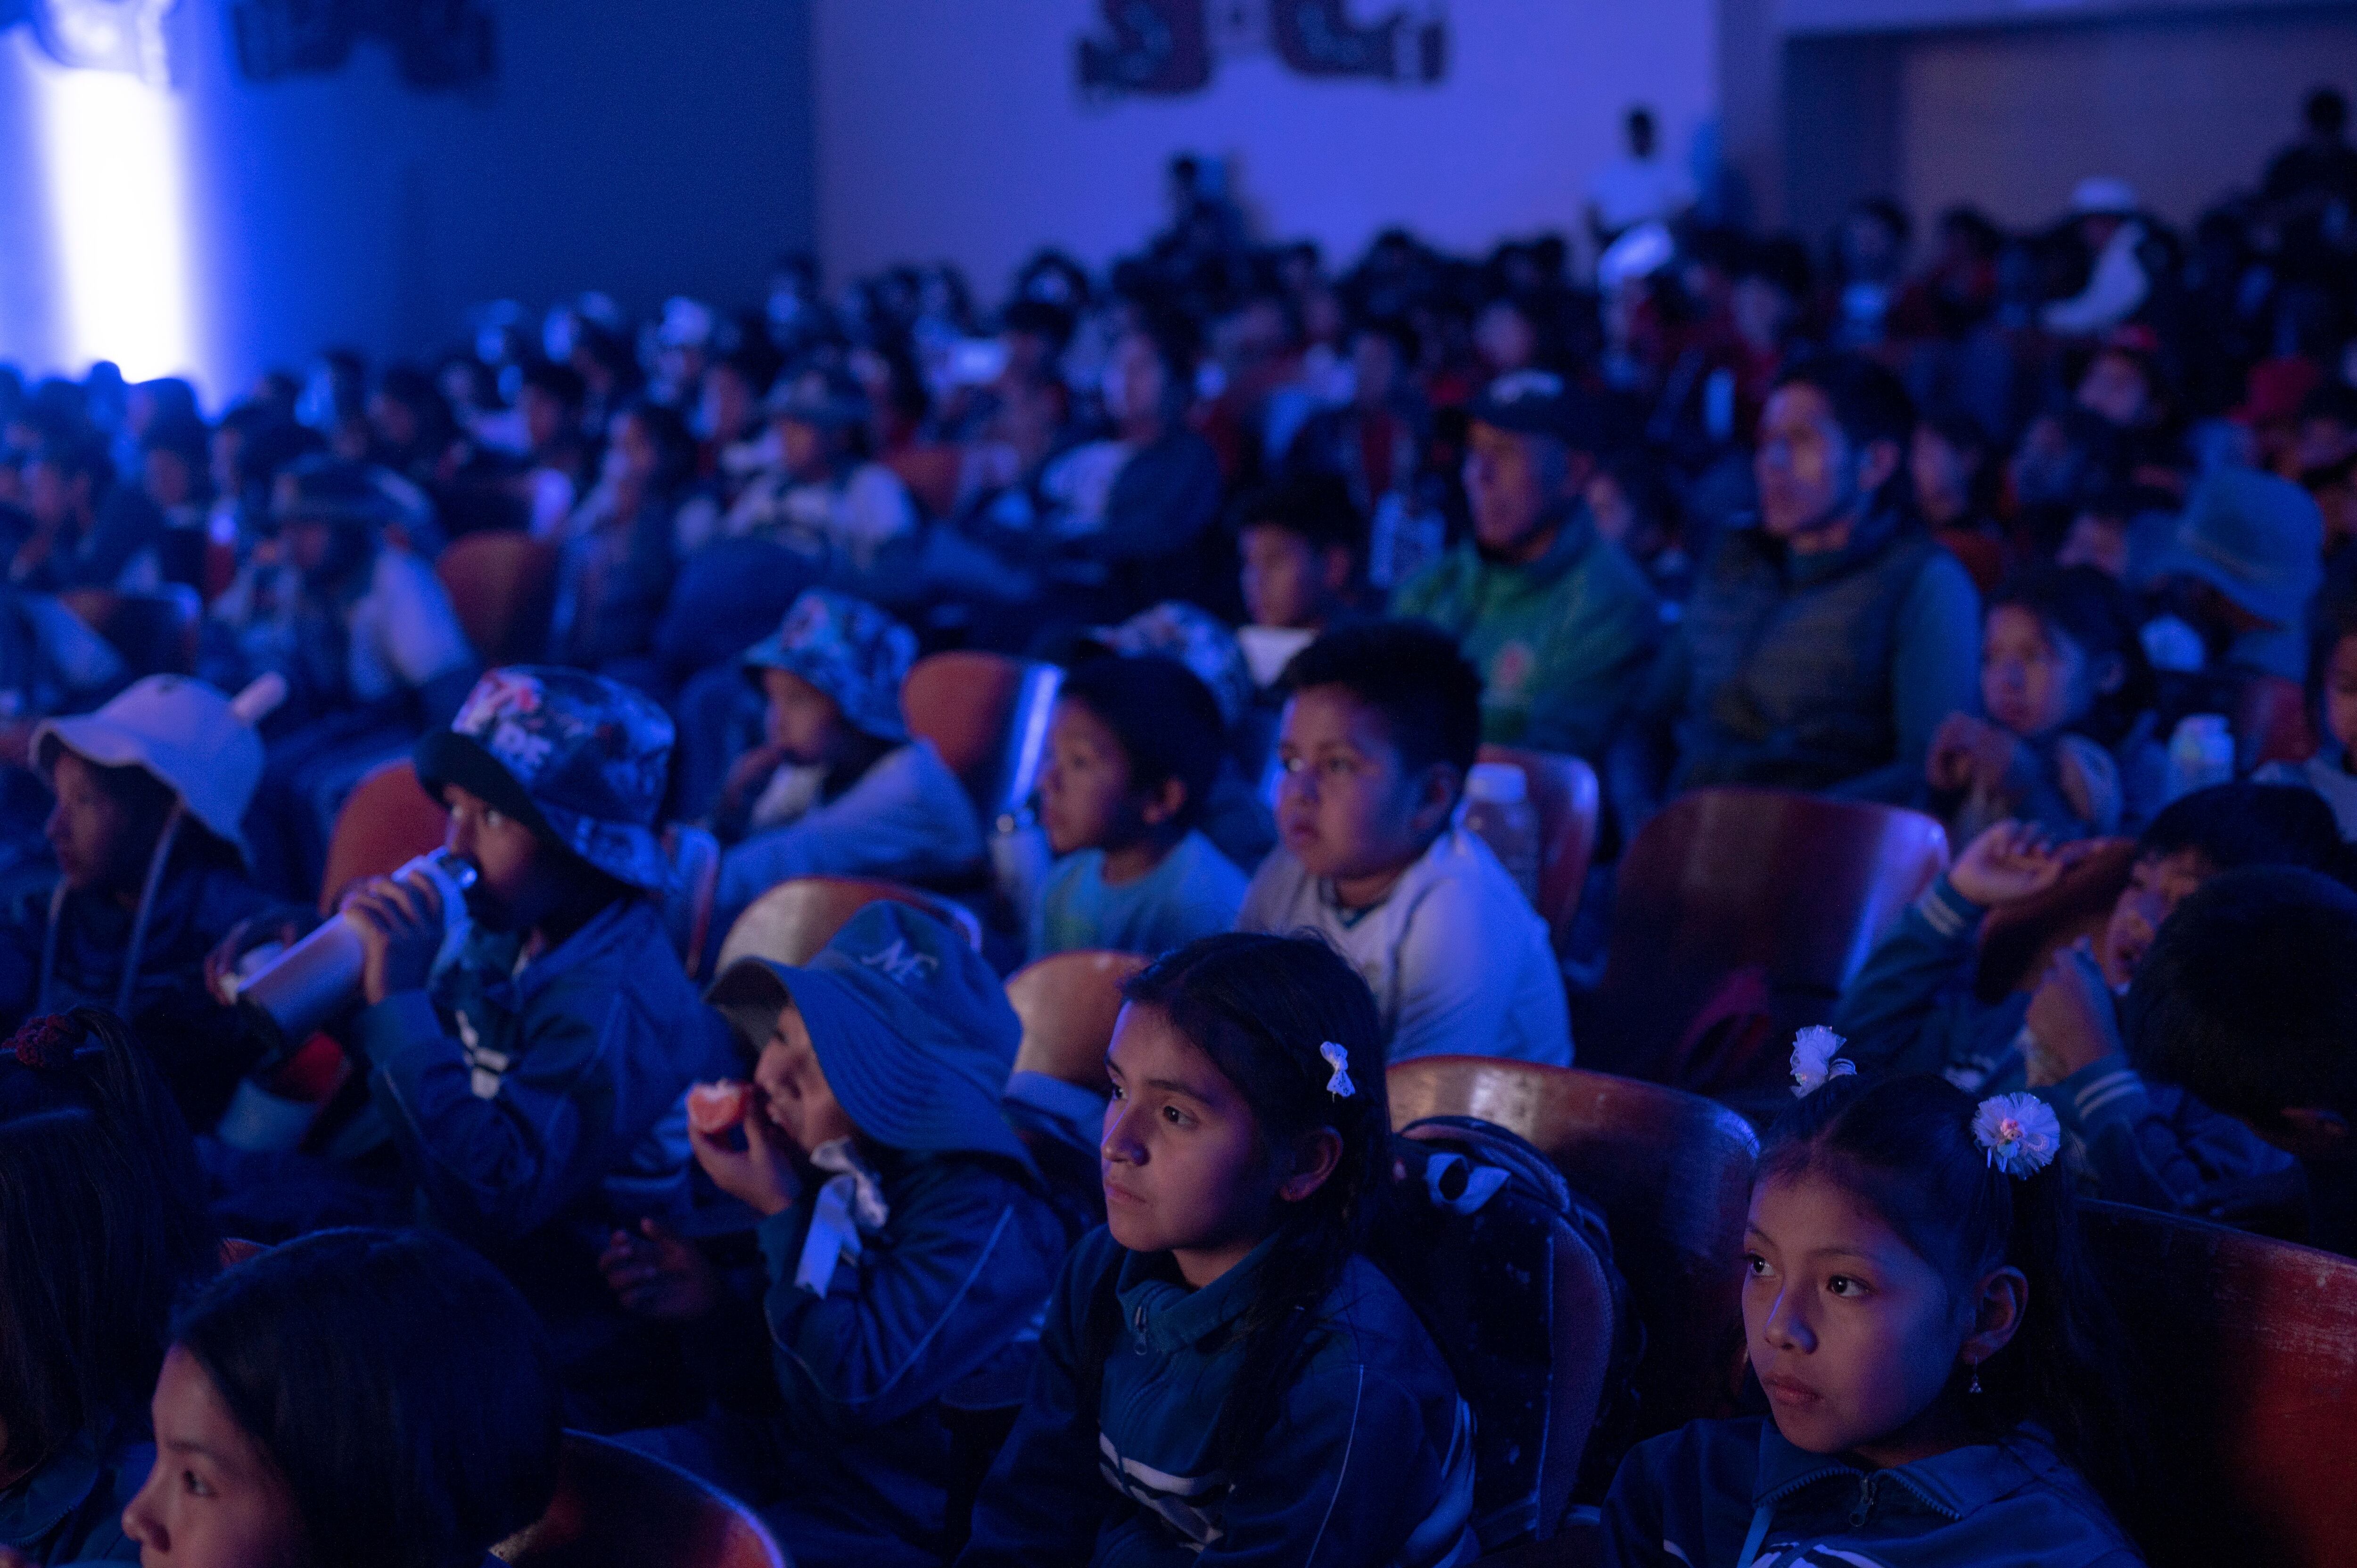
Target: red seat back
(790,922)
(1796,887)
(1069,1004)
(615,1507)
(387,820)
(502,586)
(987,715)
(2245,1349)
(1564,794)
(1672,1172)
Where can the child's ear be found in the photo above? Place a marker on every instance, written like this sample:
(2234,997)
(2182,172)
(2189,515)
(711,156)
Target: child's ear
(1315,1155)
(1436,795)
(1160,805)
(2004,1296)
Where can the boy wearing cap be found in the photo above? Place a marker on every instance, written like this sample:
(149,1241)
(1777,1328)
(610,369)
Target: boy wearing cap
(841,788)
(826,501)
(907,1245)
(1557,618)
(533,1087)
(2246,558)
(151,792)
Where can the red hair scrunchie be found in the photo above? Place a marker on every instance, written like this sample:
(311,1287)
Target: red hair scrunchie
(47,1042)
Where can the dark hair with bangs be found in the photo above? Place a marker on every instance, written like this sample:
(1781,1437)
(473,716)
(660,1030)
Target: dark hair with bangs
(1903,1147)
(1259,1008)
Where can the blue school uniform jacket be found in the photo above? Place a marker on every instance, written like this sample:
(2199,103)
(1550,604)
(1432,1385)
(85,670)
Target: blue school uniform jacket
(1734,1493)
(943,1304)
(70,1508)
(535,1109)
(1369,1461)
(1912,1009)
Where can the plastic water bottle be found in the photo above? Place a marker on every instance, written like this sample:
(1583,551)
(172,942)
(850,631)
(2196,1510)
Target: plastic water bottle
(2201,752)
(1497,807)
(317,978)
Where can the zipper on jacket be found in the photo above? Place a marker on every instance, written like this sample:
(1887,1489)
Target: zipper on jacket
(1865,1509)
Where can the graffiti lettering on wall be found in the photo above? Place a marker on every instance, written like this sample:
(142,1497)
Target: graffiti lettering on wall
(1167,49)
(96,35)
(438,43)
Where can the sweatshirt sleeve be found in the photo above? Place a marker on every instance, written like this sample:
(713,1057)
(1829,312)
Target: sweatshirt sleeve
(1594,660)
(963,1270)
(895,822)
(1936,670)
(1901,1013)
(505,1165)
(2155,1145)
(1044,1503)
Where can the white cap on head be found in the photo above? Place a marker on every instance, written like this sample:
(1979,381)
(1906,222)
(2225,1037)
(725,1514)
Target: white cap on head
(200,744)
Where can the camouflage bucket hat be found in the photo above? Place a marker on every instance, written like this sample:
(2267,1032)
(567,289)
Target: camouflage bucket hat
(1195,638)
(581,759)
(849,649)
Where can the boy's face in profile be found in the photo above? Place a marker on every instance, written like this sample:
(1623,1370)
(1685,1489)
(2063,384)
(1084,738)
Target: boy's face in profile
(803,721)
(1286,583)
(1085,801)
(2157,885)
(513,886)
(1347,808)
(795,1095)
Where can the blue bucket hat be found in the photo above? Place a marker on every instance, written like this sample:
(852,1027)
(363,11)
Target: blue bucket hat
(847,649)
(579,759)
(1195,638)
(2257,539)
(911,1029)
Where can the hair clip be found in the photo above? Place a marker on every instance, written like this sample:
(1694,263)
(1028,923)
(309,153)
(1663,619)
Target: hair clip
(2020,1133)
(48,1041)
(1813,1062)
(1339,1086)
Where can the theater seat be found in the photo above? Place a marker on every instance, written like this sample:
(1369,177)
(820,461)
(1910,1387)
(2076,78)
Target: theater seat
(2246,1350)
(1792,888)
(1069,1004)
(387,820)
(1672,1172)
(1563,793)
(615,1507)
(987,715)
(503,586)
(790,922)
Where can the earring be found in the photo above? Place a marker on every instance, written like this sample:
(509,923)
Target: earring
(1977,1379)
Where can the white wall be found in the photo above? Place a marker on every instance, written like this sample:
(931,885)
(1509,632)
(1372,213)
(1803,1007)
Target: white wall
(640,146)
(952,129)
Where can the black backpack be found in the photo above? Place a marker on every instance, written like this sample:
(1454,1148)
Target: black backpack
(1512,1273)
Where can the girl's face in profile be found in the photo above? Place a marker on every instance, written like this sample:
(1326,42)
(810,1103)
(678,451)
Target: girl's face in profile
(1854,1336)
(214,1500)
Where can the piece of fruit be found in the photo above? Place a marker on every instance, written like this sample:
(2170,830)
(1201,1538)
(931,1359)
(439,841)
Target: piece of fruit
(716,1107)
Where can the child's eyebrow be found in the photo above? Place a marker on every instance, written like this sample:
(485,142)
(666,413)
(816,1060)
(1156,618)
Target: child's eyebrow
(1175,1087)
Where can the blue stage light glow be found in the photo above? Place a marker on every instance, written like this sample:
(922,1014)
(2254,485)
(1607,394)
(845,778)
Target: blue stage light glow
(112,160)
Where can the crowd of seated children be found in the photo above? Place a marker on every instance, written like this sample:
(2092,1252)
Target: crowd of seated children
(840,788)
(1222,1371)
(1557,618)
(530,1083)
(906,1243)
(1914,1006)
(361,1398)
(1940,1367)
(2060,667)
(1382,724)
(102,1227)
(1132,750)
(148,836)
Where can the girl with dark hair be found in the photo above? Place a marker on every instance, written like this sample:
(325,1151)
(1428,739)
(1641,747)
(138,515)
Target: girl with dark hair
(1938,1358)
(1221,1371)
(365,1399)
(101,1228)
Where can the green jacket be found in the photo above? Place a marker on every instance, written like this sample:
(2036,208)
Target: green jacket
(1562,644)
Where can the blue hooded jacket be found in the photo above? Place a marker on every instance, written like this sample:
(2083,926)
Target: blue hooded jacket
(1369,1463)
(1735,1494)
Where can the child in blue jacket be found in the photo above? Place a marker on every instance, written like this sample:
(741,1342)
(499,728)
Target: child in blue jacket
(1912,1008)
(1223,1377)
(907,1244)
(1935,1353)
(533,1085)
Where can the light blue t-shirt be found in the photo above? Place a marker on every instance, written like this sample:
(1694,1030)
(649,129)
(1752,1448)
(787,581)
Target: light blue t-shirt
(1195,892)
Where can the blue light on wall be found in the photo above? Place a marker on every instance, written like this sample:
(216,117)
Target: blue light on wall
(111,154)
